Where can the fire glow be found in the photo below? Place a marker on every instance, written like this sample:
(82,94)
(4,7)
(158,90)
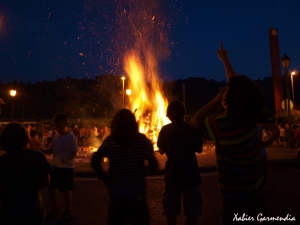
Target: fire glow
(142,41)
(147,100)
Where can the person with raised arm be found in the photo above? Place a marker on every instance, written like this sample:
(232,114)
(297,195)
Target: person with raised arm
(237,140)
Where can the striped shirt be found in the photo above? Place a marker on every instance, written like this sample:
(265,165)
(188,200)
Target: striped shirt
(238,155)
(126,175)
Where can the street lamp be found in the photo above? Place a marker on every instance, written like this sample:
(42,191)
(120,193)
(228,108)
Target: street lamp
(12,94)
(128,92)
(285,64)
(293,73)
(123,79)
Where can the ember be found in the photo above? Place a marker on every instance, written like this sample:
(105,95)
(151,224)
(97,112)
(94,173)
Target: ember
(145,27)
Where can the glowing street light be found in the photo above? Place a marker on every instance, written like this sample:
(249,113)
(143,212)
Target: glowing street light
(123,80)
(293,73)
(128,92)
(12,94)
(285,64)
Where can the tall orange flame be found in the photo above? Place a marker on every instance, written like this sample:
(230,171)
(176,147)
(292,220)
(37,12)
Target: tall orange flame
(147,100)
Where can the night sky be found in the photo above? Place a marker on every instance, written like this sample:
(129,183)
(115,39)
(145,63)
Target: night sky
(47,40)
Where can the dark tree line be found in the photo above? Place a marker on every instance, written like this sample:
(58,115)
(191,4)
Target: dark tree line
(102,96)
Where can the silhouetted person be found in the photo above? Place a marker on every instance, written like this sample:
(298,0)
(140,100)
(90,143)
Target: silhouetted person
(126,150)
(237,141)
(64,149)
(180,141)
(23,173)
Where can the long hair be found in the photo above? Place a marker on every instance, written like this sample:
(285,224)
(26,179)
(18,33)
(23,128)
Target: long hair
(124,128)
(244,99)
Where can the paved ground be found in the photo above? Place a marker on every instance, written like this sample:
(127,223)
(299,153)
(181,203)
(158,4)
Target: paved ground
(206,160)
(90,199)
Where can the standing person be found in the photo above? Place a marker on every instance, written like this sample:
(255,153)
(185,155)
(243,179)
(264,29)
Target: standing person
(297,136)
(76,133)
(180,141)
(263,124)
(39,128)
(126,150)
(23,173)
(237,142)
(34,142)
(64,149)
(282,138)
(84,134)
(49,137)
(288,135)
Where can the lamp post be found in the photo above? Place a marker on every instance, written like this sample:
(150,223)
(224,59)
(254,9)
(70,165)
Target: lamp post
(293,73)
(285,64)
(123,79)
(12,94)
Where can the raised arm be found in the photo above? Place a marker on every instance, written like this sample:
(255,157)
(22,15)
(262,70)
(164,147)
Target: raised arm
(223,55)
(203,112)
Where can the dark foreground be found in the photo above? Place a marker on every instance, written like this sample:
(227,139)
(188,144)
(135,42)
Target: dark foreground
(90,198)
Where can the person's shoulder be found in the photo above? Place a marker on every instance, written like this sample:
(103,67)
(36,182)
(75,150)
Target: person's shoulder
(188,125)
(107,141)
(143,137)
(70,135)
(55,136)
(167,127)
(34,152)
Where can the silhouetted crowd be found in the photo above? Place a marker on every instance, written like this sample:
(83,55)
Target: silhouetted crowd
(240,134)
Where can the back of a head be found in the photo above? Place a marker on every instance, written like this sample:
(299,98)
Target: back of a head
(244,99)
(176,111)
(14,138)
(60,117)
(124,127)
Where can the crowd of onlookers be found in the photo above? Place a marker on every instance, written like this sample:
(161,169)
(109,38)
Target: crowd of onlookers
(289,136)
(239,147)
(86,136)
(41,135)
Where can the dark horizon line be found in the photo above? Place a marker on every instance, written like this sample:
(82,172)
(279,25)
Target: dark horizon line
(95,77)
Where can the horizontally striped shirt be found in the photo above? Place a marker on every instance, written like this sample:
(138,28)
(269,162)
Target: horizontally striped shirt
(237,152)
(126,175)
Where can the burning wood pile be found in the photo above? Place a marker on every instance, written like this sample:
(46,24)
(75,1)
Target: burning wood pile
(145,26)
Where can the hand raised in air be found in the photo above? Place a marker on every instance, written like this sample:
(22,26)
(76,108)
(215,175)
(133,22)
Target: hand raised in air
(222,53)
